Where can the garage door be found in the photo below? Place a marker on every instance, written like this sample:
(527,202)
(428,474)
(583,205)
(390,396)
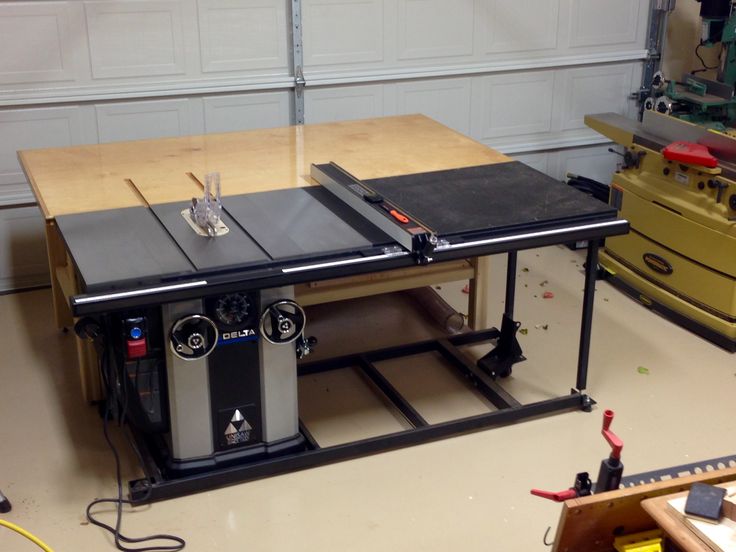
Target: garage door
(517,75)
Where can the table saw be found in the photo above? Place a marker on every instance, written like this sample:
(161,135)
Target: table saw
(196,326)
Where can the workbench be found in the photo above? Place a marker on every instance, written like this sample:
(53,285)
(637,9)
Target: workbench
(150,172)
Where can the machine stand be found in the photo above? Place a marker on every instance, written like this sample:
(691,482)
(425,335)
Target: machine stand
(507,352)
(587,402)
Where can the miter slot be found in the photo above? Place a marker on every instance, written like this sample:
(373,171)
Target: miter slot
(231,249)
(137,192)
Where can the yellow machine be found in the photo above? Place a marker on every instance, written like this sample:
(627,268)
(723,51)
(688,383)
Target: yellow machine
(680,257)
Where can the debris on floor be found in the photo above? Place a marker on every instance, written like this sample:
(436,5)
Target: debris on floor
(523,331)
(525,269)
(466,289)
(548,295)
(544,283)
(643,370)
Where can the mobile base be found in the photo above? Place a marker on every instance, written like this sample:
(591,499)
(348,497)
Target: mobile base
(509,410)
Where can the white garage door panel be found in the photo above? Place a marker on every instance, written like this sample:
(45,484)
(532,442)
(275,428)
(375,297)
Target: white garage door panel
(36,128)
(135,39)
(520,25)
(242,36)
(141,120)
(246,111)
(35,43)
(514,104)
(23,260)
(445,100)
(596,90)
(434,29)
(343,103)
(343,37)
(340,32)
(98,50)
(595,23)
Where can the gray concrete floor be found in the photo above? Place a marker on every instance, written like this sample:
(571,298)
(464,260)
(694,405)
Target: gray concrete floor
(464,493)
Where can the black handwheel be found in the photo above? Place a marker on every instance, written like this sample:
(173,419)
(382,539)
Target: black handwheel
(193,337)
(282,322)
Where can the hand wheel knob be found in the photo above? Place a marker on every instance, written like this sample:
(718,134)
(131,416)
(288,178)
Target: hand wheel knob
(193,337)
(282,322)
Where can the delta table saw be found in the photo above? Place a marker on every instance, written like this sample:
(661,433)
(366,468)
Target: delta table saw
(191,307)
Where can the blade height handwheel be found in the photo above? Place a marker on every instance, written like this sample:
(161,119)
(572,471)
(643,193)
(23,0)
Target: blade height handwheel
(282,322)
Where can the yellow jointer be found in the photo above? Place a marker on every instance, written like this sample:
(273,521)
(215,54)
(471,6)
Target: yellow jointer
(680,257)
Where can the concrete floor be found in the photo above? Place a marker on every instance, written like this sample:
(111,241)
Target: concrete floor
(464,493)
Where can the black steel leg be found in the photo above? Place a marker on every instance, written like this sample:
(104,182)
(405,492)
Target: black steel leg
(591,269)
(510,284)
(507,352)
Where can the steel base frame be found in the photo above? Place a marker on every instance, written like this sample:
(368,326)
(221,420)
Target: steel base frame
(482,375)
(156,487)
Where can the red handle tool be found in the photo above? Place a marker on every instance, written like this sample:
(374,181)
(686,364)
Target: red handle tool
(616,443)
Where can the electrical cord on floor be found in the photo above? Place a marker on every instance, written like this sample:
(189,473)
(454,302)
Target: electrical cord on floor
(117,401)
(30,536)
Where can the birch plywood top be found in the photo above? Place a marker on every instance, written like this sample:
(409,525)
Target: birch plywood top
(106,176)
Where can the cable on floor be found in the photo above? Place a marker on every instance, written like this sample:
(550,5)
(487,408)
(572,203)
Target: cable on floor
(117,402)
(27,534)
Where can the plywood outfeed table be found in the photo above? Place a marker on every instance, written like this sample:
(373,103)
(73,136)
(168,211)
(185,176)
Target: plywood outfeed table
(149,172)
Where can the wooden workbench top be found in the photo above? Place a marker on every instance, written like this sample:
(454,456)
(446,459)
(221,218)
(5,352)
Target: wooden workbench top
(107,176)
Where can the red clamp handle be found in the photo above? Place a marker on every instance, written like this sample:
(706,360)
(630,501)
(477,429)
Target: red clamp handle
(687,152)
(559,496)
(613,439)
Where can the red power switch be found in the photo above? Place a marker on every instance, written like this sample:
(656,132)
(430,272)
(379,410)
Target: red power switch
(136,348)
(687,152)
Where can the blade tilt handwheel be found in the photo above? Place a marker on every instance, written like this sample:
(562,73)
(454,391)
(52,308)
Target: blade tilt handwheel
(193,337)
(282,322)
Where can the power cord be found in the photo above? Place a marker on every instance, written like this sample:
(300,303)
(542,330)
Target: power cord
(27,534)
(706,67)
(117,401)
